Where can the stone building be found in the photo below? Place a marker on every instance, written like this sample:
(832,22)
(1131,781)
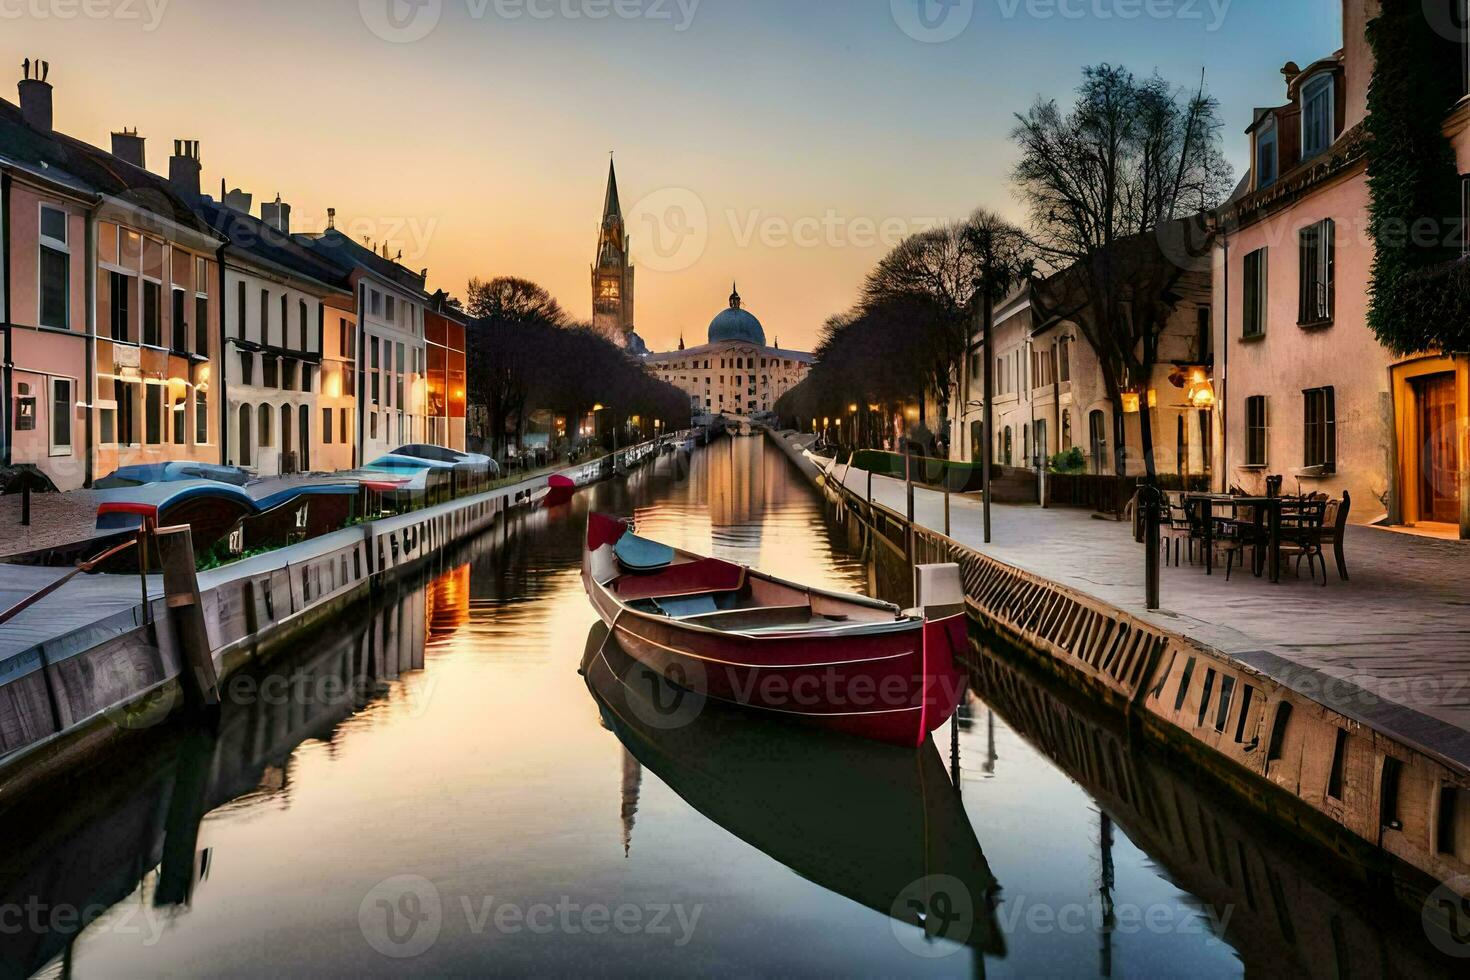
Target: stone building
(612,275)
(735,373)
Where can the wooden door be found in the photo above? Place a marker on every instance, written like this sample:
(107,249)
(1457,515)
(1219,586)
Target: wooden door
(1439,453)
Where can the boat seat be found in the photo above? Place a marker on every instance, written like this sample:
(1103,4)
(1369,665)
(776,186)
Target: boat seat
(697,605)
(642,555)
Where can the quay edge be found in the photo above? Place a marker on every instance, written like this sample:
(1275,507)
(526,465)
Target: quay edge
(1279,749)
(72,700)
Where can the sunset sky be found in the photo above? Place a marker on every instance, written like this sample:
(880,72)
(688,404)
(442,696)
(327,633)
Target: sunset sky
(783,143)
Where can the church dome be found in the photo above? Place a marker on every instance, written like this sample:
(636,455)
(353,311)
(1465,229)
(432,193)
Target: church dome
(736,324)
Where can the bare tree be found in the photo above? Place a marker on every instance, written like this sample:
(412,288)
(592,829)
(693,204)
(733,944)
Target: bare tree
(1111,185)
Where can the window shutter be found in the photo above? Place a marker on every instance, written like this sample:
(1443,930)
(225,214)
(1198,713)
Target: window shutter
(1327,243)
(1329,423)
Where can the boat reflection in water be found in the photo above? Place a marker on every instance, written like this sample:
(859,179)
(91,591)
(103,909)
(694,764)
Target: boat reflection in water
(881,825)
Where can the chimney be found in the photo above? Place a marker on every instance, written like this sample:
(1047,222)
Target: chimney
(331,219)
(277,215)
(35,96)
(184,168)
(128,147)
(236,200)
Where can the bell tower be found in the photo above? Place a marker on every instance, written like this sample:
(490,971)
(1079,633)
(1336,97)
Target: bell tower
(612,275)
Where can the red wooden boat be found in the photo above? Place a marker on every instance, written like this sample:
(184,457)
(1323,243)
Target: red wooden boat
(724,632)
(559,491)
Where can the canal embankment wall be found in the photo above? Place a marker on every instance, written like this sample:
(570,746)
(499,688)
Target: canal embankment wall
(1281,747)
(71,696)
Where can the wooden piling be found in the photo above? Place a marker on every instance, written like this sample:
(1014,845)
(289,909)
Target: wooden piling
(186,615)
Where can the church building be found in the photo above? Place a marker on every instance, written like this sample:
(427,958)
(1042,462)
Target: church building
(735,373)
(612,275)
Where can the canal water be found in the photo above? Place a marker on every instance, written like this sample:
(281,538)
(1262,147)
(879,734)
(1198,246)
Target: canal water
(429,786)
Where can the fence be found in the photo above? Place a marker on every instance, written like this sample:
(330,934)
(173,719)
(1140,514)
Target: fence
(1108,494)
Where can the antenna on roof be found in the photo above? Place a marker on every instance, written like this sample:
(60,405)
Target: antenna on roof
(400,256)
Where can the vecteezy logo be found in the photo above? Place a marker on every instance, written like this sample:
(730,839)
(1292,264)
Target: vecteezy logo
(401,917)
(669,700)
(933,21)
(1447,917)
(401,21)
(942,908)
(671,228)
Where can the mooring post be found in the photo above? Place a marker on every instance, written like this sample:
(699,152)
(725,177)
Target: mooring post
(1150,495)
(946,506)
(186,614)
(908,473)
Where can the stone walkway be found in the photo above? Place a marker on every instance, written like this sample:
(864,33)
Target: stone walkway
(1391,647)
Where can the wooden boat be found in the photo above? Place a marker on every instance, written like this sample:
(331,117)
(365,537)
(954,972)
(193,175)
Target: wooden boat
(726,633)
(559,491)
(877,824)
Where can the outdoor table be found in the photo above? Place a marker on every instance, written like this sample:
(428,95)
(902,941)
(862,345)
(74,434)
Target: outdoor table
(1271,506)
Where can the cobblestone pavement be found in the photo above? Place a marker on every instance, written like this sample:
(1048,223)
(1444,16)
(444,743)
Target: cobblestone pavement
(1391,647)
(56,519)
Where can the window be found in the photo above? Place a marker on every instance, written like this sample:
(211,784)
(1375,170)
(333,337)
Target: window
(153,414)
(1064,360)
(326,426)
(288,374)
(305,376)
(391,310)
(179,421)
(267,420)
(1317,116)
(1253,311)
(247,368)
(61,412)
(179,331)
(1266,155)
(270,366)
(301,314)
(265,317)
(377,306)
(120,294)
(55,260)
(1256,431)
(152,314)
(201,326)
(1319,436)
(1318,297)
(285,320)
(240,316)
(201,418)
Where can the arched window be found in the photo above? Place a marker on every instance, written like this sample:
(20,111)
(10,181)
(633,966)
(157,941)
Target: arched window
(267,425)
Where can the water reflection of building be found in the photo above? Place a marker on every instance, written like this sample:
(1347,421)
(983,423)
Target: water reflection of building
(1292,910)
(737,482)
(631,787)
(135,835)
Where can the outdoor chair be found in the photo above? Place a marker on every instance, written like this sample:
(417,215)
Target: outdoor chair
(1301,534)
(1177,530)
(1334,527)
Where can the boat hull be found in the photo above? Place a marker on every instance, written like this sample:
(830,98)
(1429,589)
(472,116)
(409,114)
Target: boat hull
(893,685)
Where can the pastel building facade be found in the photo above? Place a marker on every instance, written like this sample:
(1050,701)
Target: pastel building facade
(110,303)
(1307,391)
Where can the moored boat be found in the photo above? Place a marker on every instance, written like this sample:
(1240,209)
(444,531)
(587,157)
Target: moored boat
(726,633)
